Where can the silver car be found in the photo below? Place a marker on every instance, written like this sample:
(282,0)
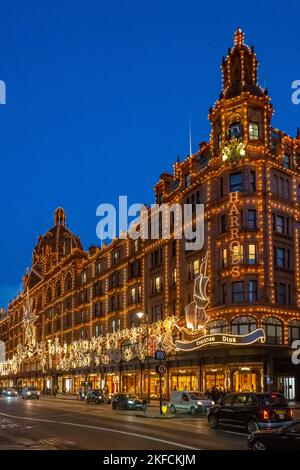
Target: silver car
(189,402)
(10,392)
(30,392)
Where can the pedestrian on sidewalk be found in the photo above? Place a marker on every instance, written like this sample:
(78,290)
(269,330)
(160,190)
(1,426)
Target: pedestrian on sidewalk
(145,406)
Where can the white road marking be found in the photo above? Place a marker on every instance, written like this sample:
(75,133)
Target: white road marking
(236,433)
(117,431)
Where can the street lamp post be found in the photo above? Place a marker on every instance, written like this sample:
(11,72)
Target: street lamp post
(143,315)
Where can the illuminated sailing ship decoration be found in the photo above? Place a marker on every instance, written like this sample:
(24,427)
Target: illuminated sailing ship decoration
(195,314)
(194,333)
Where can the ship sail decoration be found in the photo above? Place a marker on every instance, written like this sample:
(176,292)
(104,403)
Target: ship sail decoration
(195,314)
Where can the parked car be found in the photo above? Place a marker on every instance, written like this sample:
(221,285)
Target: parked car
(30,392)
(2,390)
(97,396)
(126,401)
(252,411)
(10,392)
(286,438)
(189,402)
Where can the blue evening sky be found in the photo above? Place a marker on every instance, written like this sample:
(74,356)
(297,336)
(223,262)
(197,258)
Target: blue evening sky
(98,98)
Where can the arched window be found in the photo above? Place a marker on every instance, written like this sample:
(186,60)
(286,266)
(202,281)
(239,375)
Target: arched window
(273,330)
(294,330)
(217,326)
(243,325)
(287,161)
(68,283)
(49,295)
(115,257)
(39,303)
(58,289)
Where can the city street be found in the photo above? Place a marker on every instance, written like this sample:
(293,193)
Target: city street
(69,424)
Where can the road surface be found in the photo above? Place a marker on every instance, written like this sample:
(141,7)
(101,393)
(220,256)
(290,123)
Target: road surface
(51,423)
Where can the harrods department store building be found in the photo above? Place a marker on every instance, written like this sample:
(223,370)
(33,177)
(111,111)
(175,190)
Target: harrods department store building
(86,302)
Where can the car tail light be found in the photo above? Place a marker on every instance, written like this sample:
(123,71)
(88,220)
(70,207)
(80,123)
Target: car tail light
(291,413)
(265,414)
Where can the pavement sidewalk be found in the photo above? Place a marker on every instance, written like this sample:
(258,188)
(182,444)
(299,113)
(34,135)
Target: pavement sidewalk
(61,396)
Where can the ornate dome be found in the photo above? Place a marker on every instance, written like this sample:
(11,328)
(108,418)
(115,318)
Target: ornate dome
(57,243)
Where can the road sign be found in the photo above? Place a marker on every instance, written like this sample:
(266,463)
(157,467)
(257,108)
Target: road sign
(160,355)
(161,369)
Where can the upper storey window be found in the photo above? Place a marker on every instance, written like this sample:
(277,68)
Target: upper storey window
(49,295)
(115,257)
(287,161)
(252,181)
(253,131)
(160,199)
(275,135)
(187,180)
(58,289)
(68,284)
(235,130)
(156,258)
(98,267)
(236,182)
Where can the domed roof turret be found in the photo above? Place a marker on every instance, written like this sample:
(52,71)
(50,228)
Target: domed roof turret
(57,243)
(239,69)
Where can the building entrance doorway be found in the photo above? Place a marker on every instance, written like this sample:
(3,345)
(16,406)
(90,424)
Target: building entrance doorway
(244,381)
(214,379)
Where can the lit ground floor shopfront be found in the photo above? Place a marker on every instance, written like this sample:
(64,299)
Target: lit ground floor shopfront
(248,369)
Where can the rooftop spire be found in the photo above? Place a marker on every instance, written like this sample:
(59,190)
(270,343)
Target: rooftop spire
(239,37)
(60,217)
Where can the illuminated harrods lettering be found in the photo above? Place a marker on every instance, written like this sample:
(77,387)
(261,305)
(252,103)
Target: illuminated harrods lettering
(235,246)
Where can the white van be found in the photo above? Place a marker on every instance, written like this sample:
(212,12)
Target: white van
(189,402)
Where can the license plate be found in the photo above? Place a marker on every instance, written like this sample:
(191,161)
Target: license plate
(281,414)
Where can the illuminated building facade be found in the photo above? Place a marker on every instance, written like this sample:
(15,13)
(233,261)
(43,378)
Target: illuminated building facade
(248,178)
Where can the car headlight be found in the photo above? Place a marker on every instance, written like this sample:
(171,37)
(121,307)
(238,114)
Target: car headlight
(212,402)
(28,393)
(199,403)
(130,402)
(8,393)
